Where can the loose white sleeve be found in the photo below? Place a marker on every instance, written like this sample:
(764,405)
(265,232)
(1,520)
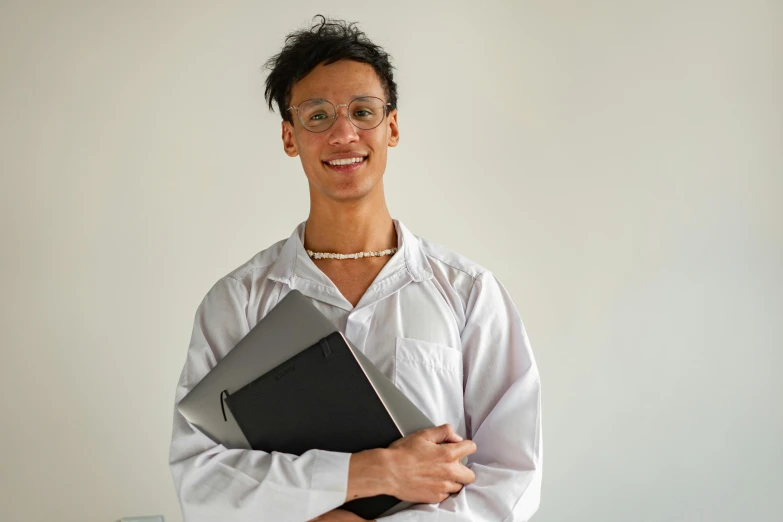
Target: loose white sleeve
(502,397)
(215,483)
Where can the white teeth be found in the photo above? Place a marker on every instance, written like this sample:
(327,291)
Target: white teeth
(345,161)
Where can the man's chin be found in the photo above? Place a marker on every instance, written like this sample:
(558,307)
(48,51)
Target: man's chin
(348,196)
(348,193)
(349,189)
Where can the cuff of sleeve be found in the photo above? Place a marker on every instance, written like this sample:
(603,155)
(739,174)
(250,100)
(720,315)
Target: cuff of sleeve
(329,481)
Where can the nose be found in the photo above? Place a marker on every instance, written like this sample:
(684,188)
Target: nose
(342,130)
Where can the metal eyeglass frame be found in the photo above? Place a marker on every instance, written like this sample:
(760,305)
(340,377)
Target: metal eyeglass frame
(386,107)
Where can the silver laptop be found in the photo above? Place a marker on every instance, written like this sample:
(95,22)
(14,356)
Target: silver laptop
(289,328)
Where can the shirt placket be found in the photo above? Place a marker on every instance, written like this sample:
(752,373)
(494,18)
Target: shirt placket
(357,327)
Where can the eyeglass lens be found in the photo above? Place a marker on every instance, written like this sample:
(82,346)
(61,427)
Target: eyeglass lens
(318,115)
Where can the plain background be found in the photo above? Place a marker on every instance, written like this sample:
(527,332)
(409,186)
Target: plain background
(617,164)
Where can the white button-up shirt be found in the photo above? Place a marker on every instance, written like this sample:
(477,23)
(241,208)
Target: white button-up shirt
(442,328)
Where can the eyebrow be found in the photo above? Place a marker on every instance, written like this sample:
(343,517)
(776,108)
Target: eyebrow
(361,95)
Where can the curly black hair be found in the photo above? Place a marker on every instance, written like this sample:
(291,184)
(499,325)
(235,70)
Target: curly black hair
(325,42)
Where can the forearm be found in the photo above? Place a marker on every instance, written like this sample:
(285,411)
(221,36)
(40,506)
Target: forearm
(214,483)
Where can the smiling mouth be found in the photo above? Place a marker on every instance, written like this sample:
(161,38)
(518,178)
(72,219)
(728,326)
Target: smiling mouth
(345,161)
(346,165)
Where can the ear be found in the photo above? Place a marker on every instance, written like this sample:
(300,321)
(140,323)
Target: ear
(394,130)
(289,139)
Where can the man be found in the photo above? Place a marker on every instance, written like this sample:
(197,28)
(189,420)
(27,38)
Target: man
(440,326)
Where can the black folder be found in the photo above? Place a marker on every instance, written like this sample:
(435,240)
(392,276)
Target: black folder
(320,398)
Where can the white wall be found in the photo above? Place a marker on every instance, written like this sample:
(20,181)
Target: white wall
(617,164)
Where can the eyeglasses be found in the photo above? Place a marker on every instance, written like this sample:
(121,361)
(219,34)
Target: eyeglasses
(317,115)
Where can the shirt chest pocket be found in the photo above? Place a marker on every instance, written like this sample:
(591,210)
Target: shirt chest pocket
(430,375)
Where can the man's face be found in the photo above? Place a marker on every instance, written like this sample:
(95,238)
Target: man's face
(340,83)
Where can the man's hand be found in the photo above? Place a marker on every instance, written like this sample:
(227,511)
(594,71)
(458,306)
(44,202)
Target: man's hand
(425,466)
(338,515)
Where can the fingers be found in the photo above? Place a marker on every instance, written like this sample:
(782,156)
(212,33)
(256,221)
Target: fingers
(447,489)
(443,433)
(460,449)
(454,437)
(454,487)
(464,475)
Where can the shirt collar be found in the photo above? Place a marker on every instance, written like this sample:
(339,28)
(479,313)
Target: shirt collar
(294,261)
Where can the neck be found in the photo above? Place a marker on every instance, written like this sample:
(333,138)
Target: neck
(348,227)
